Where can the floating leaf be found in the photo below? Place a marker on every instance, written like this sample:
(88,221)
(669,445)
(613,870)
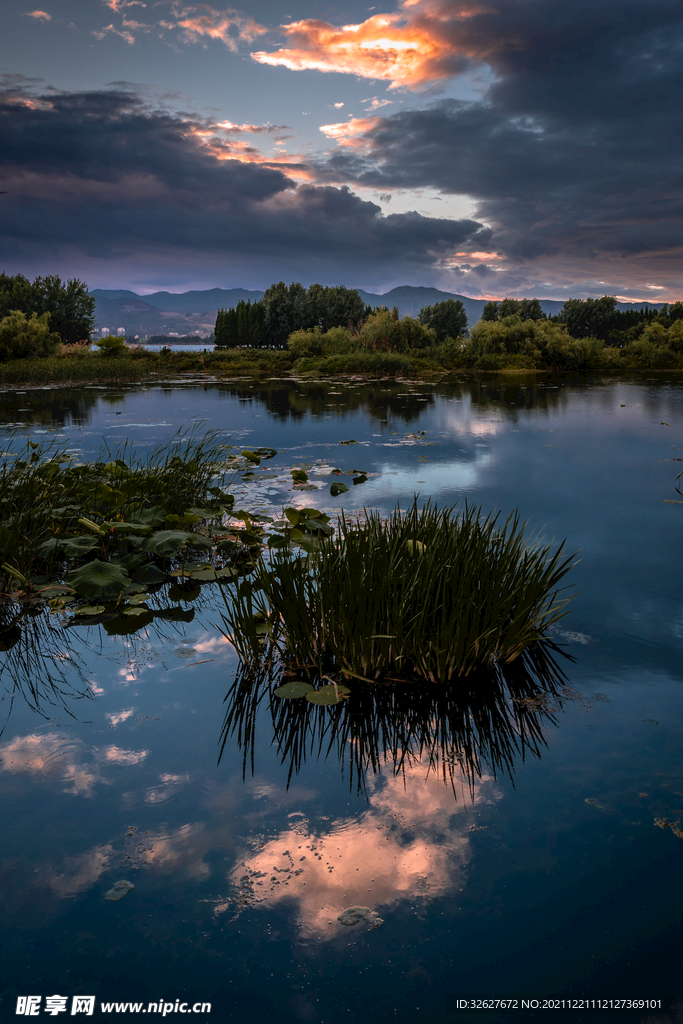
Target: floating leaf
(187,519)
(337,488)
(251,457)
(136,611)
(90,609)
(55,590)
(265,453)
(165,542)
(360,479)
(299,476)
(297,688)
(99,579)
(348,442)
(328,695)
(149,574)
(136,527)
(75,547)
(118,890)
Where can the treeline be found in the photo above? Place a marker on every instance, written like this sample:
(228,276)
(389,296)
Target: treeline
(285,310)
(589,318)
(70,309)
(383,331)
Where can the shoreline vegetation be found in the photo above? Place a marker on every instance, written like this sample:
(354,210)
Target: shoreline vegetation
(330,331)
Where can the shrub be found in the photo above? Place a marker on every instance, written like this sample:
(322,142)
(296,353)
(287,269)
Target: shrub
(314,342)
(22,337)
(383,331)
(112,345)
(427,595)
(359,361)
(647,355)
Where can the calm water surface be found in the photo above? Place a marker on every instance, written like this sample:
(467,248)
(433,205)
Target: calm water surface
(545,877)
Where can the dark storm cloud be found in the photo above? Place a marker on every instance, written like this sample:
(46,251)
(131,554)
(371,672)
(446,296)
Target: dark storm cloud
(101,175)
(574,153)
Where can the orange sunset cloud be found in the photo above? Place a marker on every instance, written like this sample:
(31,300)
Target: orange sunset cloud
(347,133)
(409,48)
(228,26)
(366,861)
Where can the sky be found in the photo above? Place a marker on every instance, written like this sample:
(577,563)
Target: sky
(502,147)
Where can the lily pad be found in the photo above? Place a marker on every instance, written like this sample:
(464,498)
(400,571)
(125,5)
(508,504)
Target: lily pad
(297,688)
(54,590)
(135,527)
(149,573)
(338,488)
(118,890)
(167,542)
(99,579)
(89,609)
(136,610)
(329,695)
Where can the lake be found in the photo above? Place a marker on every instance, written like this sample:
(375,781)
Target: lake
(539,860)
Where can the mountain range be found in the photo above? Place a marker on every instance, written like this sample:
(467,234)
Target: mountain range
(194,312)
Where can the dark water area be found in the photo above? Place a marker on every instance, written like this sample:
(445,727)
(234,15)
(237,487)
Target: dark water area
(520,860)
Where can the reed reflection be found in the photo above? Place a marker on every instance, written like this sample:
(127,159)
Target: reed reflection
(483,724)
(38,662)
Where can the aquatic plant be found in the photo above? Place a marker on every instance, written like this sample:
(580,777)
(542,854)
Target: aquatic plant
(428,595)
(459,733)
(127,514)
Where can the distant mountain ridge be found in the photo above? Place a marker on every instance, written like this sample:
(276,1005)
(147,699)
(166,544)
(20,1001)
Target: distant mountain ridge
(194,312)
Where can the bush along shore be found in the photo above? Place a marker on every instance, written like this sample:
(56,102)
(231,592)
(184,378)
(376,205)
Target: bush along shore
(427,596)
(45,327)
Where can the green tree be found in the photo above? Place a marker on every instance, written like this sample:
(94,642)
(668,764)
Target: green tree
(449,319)
(526,309)
(23,337)
(256,325)
(590,318)
(71,308)
(295,308)
(225,331)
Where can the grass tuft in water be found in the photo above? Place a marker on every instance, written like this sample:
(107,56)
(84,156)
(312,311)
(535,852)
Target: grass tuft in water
(427,595)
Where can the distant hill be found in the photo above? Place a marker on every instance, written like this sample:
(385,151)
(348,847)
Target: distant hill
(194,312)
(165,312)
(409,300)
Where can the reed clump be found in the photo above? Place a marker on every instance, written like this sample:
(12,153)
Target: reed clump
(427,595)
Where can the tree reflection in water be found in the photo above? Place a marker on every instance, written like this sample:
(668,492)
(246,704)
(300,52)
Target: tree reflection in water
(483,723)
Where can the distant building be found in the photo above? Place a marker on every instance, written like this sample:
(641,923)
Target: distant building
(105,332)
(120,330)
(173,334)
